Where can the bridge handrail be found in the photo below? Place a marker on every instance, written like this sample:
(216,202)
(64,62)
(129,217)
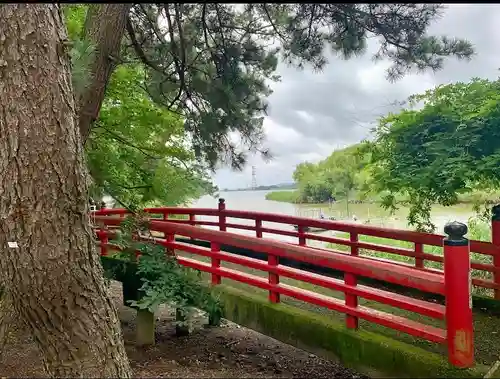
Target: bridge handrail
(430,239)
(388,272)
(454,284)
(419,239)
(275,288)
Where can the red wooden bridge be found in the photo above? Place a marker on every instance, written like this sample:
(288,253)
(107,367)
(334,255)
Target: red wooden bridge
(452,280)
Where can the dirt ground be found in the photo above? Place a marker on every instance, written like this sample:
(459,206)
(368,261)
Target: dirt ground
(229,351)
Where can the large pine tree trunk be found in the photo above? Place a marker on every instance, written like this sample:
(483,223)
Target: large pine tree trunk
(48,263)
(104,29)
(7,320)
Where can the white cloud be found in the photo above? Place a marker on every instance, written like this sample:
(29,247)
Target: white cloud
(306,117)
(372,76)
(276,132)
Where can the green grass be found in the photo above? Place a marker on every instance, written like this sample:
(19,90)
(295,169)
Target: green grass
(171,216)
(283,196)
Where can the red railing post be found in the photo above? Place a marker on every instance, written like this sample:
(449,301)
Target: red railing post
(170,238)
(192,219)
(495,239)
(258,228)
(419,250)
(165,218)
(272,261)
(222,216)
(351,280)
(302,237)
(215,248)
(103,238)
(192,222)
(457,282)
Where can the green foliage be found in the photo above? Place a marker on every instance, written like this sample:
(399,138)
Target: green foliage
(81,52)
(448,146)
(81,58)
(74,15)
(213,62)
(164,280)
(137,151)
(343,169)
(337,176)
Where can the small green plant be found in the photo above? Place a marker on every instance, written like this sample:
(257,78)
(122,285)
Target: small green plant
(164,280)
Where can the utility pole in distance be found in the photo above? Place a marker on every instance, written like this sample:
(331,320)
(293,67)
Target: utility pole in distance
(254,178)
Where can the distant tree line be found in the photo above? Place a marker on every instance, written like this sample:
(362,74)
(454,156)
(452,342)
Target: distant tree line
(341,176)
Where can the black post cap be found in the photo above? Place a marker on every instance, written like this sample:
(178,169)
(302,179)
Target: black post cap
(456,232)
(495,213)
(221,201)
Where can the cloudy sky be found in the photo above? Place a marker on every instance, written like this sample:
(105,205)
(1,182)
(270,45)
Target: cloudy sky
(311,114)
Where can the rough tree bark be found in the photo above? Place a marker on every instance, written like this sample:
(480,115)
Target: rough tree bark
(104,29)
(7,320)
(49,264)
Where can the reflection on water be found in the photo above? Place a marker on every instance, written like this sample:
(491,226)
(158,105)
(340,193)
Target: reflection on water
(370,214)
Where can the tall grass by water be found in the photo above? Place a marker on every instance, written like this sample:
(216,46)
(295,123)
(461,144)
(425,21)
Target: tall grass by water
(284,196)
(463,198)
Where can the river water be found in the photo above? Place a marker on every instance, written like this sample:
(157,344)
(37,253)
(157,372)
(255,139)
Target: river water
(370,214)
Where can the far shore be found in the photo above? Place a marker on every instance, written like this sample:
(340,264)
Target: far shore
(293,196)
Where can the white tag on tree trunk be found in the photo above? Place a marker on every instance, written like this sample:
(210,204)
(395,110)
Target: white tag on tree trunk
(13,245)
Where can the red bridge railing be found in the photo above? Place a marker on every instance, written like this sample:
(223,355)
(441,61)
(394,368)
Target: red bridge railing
(453,282)
(419,240)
